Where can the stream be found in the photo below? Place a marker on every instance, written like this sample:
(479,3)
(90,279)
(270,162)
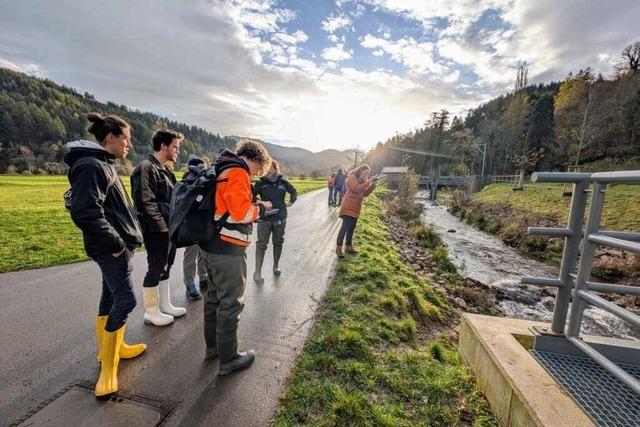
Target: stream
(485,258)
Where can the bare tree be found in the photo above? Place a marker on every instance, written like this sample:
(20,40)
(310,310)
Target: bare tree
(631,54)
(521,76)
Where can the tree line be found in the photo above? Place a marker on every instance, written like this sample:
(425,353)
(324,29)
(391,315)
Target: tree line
(38,117)
(585,121)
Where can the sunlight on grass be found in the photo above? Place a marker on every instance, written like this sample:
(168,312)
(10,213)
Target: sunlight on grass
(36,230)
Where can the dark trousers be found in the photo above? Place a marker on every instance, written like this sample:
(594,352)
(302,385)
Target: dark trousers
(223,302)
(347,229)
(337,194)
(158,258)
(266,229)
(332,201)
(117,299)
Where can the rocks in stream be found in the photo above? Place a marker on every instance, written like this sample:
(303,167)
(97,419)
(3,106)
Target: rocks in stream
(470,295)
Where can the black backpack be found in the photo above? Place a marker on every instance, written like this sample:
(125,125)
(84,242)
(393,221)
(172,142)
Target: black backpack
(193,208)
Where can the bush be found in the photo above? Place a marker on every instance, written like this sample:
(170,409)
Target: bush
(408,187)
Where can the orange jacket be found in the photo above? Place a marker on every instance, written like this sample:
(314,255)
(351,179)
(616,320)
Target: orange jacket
(356,192)
(234,195)
(330,181)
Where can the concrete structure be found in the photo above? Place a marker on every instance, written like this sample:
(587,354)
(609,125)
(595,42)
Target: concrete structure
(518,388)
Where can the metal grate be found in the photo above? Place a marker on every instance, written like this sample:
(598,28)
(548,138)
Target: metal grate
(602,396)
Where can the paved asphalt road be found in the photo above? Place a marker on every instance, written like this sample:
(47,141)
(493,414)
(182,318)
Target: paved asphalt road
(47,341)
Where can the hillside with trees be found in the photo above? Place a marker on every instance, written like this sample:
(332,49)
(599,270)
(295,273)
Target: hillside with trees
(38,117)
(586,120)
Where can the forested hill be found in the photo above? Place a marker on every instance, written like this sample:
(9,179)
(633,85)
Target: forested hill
(586,119)
(38,117)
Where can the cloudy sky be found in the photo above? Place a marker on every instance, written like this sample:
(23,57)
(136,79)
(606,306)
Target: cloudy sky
(312,73)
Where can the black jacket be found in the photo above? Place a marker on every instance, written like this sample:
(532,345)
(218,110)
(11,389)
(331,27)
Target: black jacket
(151,189)
(100,206)
(340,180)
(274,191)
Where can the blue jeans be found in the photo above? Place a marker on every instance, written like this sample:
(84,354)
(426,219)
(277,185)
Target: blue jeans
(117,299)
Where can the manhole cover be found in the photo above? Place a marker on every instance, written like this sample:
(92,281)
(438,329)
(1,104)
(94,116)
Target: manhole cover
(77,406)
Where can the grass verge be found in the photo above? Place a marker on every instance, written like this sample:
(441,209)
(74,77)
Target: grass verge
(381,352)
(35,229)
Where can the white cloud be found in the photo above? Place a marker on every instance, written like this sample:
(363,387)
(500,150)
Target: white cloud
(30,69)
(415,56)
(336,53)
(333,23)
(333,38)
(298,37)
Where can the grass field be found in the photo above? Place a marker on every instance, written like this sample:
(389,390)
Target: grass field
(375,356)
(621,209)
(35,229)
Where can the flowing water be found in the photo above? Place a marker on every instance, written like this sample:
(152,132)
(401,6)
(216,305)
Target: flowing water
(485,258)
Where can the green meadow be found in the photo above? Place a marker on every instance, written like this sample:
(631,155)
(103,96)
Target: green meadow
(36,230)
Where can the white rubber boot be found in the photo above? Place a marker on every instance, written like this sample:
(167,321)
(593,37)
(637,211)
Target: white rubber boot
(152,313)
(165,301)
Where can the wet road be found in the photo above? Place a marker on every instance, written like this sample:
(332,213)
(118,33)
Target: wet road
(485,258)
(48,343)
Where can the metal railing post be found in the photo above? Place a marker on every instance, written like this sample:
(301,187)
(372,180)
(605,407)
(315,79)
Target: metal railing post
(570,255)
(586,259)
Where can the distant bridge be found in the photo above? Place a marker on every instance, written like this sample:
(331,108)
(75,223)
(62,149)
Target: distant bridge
(448,180)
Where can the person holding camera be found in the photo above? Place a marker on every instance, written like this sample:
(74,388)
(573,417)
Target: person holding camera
(359,185)
(273,188)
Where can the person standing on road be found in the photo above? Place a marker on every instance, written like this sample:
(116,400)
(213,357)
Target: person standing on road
(152,185)
(339,187)
(225,255)
(330,182)
(193,260)
(101,209)
(272,188)
(359,185)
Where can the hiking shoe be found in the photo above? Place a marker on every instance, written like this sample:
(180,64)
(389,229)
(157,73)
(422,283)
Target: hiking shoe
(243,360)
(192,292)
(276,271)
(258,279)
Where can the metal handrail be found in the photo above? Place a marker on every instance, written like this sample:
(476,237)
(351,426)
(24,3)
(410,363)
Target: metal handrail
(580,285)
(572,234)
(584,288)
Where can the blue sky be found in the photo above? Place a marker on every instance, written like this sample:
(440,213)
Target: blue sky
(312,73)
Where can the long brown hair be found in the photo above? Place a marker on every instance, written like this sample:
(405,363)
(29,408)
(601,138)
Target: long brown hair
(358,171)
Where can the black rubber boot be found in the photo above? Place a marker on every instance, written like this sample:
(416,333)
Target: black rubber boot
(257,275)
(277,251)
(243,360)
(230,359)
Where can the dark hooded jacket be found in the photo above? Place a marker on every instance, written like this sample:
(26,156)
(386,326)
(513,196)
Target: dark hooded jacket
(340,180)
(275,190)
(151,189)
(100,206)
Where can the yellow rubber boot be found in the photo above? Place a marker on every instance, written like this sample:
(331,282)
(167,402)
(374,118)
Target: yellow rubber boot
(126,351)
(108,381)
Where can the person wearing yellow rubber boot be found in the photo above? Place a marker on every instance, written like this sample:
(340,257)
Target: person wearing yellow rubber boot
(100,207)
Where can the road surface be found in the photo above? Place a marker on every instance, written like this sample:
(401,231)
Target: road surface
(48,343)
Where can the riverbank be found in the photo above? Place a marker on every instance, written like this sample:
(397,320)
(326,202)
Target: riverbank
(500,211)
(383,349)
(36,231)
